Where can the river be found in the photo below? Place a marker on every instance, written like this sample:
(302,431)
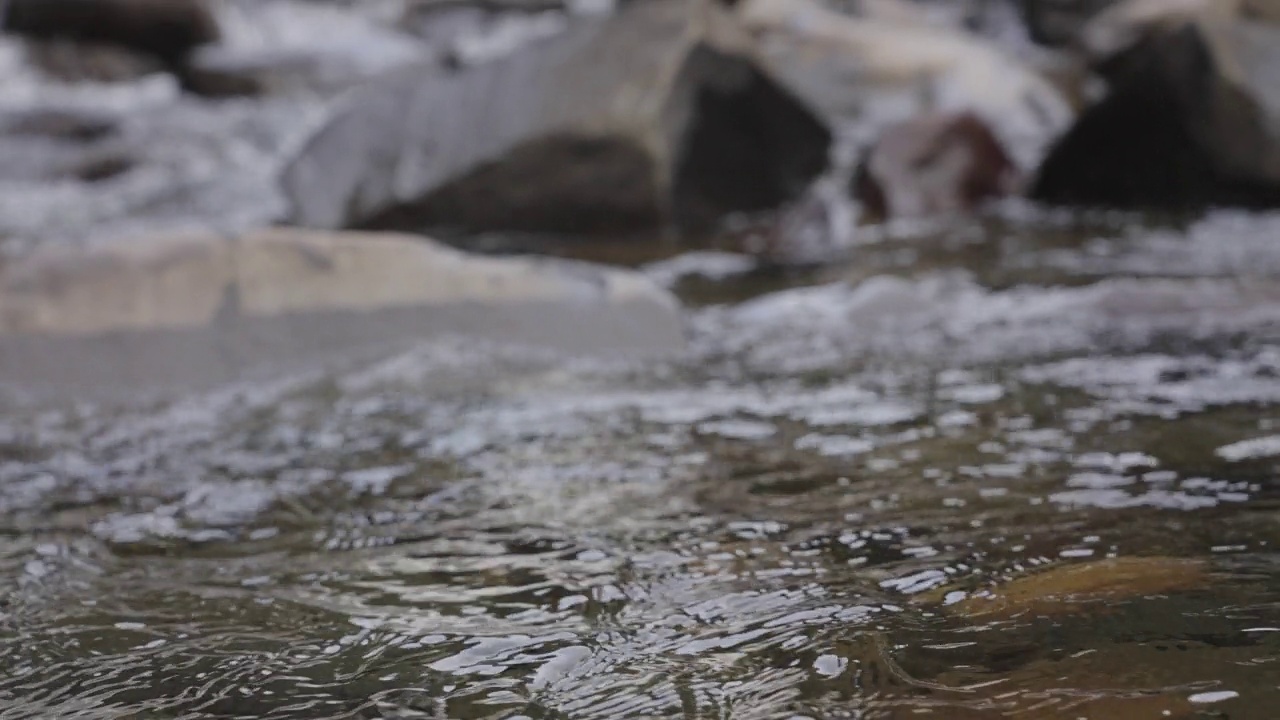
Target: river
(1023,466)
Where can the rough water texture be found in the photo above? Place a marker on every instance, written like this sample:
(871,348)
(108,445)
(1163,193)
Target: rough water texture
(809,515)
(775,526)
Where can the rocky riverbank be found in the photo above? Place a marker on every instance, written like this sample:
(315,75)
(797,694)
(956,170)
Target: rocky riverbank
(783,129)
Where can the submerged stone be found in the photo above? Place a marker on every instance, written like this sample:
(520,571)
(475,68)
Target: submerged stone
(931,165)
(1068,589)
(877,72)
(1192,118)
(167,30)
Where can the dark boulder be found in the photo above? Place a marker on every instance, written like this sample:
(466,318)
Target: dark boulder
(1192,119)
(165,29)
(653,118)
(933,165)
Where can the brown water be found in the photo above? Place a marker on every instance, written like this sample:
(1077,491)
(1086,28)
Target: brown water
(992,471)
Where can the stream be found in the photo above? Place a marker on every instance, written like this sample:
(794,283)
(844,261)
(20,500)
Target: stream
(789,522)
(1022,466)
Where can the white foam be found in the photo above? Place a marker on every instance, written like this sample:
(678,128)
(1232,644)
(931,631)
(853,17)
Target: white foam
(1213,697)
(1263,447)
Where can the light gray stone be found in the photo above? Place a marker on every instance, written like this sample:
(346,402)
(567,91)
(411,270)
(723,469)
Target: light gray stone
(170,314)
(1192,116)
(652,118)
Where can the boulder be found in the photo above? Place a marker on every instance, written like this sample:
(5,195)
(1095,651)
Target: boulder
(931,165)
(165,29)
(1192,117)
(655,117)
(879,72)
(167,314)
(1073,588)
(1124,25)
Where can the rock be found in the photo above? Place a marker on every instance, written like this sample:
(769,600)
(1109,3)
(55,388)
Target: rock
(1192,118)
(931,165)
(881,72)
(164,29)
(174,313)
(655,117)
(1068,589)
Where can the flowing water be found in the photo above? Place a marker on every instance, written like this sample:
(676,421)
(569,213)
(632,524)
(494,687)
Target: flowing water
(1022,467)
(801,518)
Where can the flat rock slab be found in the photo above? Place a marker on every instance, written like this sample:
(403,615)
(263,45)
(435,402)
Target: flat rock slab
(173,314)
(1078,587)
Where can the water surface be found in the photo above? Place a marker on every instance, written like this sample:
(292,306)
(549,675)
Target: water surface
(1019,467)
(792,521)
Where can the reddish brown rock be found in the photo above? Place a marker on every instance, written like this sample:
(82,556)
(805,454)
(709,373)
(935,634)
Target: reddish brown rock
(931,165)
(1191,118)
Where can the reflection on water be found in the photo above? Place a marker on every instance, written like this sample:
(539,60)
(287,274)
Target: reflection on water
(1003,479)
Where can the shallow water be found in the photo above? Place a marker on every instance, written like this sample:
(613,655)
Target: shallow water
(1020,467)
(792,521)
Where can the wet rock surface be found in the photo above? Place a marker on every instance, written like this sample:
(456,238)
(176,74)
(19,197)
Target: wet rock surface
(111,40)
(1080,588)
(654,118)
(164,315)
(1190,119)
